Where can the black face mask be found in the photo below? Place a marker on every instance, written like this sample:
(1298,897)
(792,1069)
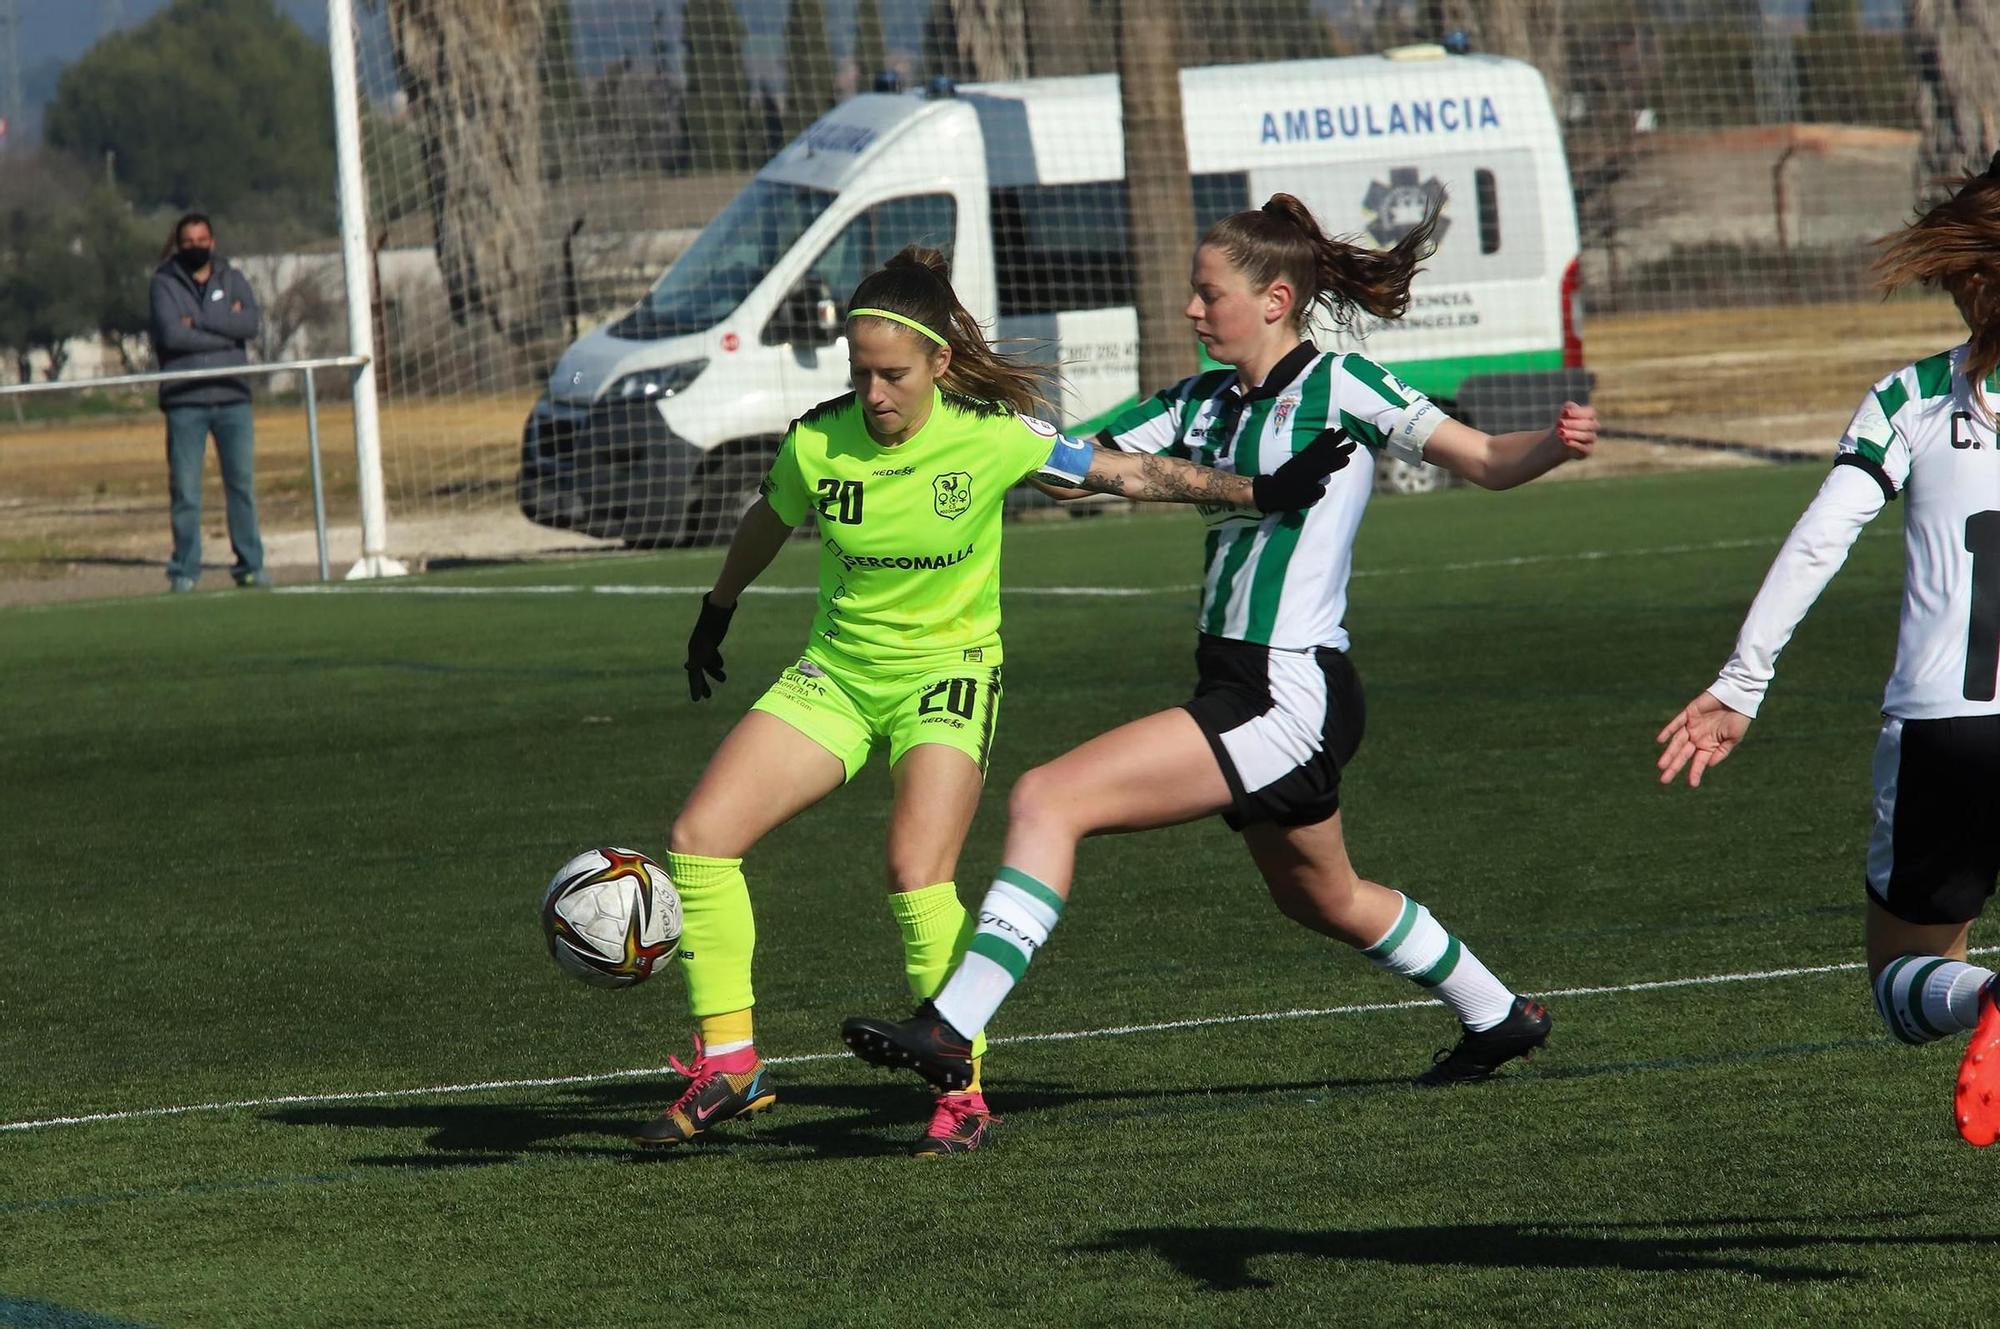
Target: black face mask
(193,259)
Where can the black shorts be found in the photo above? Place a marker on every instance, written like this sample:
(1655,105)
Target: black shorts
(1281,725)
(1934,852)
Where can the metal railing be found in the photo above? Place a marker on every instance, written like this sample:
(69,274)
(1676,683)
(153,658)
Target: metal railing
(304,368)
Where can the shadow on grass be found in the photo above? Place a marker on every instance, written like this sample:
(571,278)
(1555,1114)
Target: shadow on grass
(113,561)
(599,1119)
(858,1120)
(1219,1258)
(810,1120)
(841,1121)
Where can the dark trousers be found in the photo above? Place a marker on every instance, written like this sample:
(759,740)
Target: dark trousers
(188,429)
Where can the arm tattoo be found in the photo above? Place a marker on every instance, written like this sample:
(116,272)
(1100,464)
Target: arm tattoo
(1164,480)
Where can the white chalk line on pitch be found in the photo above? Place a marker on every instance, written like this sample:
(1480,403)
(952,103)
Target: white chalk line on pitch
(1466,565)
(317,588)
(1068,1036)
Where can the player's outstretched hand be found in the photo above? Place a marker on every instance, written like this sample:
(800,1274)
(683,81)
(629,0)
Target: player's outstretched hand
(705,648)
(1705,732)
(1576,431)
(1301,481)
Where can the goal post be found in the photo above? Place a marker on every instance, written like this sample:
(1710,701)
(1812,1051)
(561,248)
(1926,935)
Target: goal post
(371,496)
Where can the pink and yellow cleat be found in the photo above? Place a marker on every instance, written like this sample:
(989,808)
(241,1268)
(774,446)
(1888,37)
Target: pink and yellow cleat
(719,1089)
(1976,1104)
(960,1124)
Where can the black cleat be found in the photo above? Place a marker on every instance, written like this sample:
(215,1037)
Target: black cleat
(712,1097)
(961,1124)
(923,1043)
(1479,1056)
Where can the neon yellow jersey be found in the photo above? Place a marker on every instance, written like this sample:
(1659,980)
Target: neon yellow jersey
(909,568)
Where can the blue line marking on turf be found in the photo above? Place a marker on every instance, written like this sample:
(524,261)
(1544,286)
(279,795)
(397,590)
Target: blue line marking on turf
(20,1313)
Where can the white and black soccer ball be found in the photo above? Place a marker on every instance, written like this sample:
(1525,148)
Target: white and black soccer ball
(610,917)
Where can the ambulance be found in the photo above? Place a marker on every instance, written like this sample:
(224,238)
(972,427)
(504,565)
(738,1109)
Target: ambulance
(656,427)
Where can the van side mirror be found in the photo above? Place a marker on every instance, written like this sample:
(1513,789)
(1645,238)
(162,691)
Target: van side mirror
(807,316)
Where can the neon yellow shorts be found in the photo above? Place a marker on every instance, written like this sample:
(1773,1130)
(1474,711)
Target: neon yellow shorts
(849,712)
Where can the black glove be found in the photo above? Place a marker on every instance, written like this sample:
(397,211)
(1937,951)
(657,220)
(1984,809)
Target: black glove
(705,648)
(1301,481)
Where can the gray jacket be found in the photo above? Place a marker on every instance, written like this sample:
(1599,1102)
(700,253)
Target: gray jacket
(217,336)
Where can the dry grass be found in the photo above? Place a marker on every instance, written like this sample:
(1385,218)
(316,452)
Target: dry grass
(1775,375)
(1783,376)
(445,442)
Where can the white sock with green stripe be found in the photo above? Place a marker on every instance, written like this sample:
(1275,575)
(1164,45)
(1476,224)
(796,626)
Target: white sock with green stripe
(1927,997)
(1419,949)
(1015,918)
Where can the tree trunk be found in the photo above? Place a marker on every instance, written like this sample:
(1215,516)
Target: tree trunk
(988,41)
(57,349)
(470,73)
(809,88)
(1071,37)
(1530,30)
(722,131)
(871,51)
(1159,219)
(1956,46)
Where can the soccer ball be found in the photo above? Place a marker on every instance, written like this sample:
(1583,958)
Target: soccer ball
(610,916)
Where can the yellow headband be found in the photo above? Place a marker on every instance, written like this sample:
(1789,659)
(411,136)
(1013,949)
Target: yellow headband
(895,317)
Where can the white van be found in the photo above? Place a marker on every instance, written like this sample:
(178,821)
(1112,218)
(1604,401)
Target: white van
(657,427)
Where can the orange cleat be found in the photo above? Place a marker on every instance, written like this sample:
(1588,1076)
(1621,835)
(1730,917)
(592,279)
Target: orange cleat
(1976,1104)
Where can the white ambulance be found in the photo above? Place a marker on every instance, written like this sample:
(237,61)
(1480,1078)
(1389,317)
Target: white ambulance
(657,427)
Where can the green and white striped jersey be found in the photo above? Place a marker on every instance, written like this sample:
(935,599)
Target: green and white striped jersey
(1281,580)
(1919,435)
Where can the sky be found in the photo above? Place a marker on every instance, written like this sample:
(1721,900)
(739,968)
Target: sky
(64,29)
(55,32)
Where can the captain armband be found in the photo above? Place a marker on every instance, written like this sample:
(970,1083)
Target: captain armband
(1068,462)
(1413,429)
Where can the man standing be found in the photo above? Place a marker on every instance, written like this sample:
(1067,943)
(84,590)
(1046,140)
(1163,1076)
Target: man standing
(203,315)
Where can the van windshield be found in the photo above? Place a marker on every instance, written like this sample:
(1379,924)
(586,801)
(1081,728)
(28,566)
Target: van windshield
(730,256)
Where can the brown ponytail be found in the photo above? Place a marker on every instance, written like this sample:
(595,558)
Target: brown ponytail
(916,283)
(1282,239)
(1956,245)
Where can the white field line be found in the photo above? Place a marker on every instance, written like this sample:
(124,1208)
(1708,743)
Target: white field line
(318,588)
(1109,1031)
(1467,565)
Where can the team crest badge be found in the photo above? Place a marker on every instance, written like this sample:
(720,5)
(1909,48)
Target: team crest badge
(1283,411)
(953,491)
(1401,203)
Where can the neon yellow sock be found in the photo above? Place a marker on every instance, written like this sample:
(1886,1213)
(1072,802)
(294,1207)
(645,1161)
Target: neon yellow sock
(718,933)
(727,1031)
(936,930)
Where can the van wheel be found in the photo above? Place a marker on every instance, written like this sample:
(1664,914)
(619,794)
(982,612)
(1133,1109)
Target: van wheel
(1401,477)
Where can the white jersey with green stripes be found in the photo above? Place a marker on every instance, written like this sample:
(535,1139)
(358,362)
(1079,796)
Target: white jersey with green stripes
(1933,443)
(1281,580)
(1920,435)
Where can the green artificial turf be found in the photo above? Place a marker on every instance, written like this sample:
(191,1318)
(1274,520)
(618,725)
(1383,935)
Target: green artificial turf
(291,847)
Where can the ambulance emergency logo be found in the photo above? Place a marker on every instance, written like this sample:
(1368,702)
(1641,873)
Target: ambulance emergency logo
(953,491)
(1401,203)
